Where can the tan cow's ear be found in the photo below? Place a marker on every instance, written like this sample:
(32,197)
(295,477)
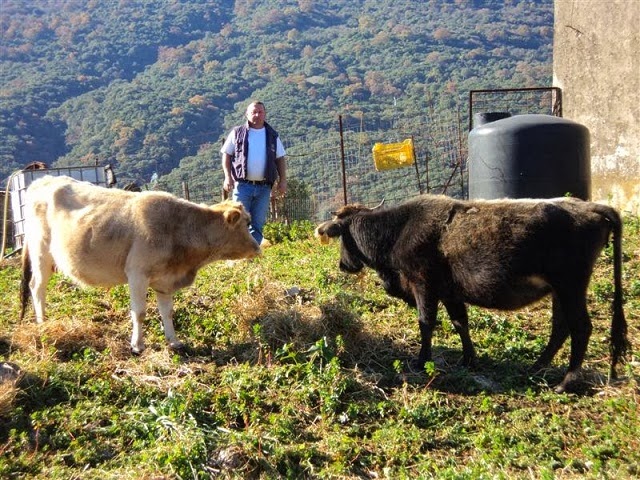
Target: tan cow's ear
(232,216)
(328,230)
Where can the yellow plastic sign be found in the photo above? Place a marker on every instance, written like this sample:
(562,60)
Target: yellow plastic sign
(387,156)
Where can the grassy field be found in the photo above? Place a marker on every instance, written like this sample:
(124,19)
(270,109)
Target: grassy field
(295,370)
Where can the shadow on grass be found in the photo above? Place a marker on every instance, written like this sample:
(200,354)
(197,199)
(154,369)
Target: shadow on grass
(382,356)
(33,393)
(5,346)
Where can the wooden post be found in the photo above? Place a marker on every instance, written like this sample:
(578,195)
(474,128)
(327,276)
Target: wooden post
(415,163)
(344,170)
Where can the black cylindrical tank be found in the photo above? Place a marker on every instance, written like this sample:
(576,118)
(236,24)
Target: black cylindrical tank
(529,156)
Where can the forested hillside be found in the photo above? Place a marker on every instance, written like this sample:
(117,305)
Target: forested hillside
(151,86)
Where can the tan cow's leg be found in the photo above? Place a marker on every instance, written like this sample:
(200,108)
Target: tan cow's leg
(165,306)
(42,268)
(138,298)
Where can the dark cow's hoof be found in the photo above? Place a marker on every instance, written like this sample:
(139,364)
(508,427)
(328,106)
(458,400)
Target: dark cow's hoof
(470,362)
(573,382)
(562,388)
(417,365)
(177,346)
(574,387)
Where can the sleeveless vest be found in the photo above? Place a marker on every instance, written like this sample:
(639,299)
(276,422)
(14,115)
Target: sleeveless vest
(239,162)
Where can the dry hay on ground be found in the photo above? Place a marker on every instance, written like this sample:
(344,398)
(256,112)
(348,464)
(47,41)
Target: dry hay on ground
(64,338)
(10,375)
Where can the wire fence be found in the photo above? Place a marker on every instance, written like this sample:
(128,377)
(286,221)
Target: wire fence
(338,167)
(348,173)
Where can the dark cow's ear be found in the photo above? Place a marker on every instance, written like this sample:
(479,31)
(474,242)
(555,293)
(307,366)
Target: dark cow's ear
(328,230)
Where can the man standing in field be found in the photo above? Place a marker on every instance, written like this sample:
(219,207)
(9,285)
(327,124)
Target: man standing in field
(253,159)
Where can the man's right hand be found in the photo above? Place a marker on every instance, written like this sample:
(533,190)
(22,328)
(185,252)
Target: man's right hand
(228,184)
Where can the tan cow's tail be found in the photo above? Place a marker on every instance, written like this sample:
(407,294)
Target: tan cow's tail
(27,273)
(619,342)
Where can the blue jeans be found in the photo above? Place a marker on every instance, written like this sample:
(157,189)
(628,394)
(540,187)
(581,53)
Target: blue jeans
(256,200)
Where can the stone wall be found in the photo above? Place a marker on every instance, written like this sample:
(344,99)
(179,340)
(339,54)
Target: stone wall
(596,63)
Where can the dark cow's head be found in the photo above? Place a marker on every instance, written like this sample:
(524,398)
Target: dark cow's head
(351,258)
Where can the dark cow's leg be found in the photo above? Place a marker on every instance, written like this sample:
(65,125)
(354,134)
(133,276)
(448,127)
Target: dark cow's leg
(559,333)
(579,324)
(427,320)
(460,319)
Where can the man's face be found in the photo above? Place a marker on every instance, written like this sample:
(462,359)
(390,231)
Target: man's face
(256,115)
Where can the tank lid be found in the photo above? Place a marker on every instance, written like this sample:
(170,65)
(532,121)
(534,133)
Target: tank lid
(482,118)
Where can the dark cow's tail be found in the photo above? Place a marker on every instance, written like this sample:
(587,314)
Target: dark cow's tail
(27,273)
(619,343)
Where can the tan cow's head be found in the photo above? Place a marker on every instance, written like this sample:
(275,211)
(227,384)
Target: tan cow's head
(240,244)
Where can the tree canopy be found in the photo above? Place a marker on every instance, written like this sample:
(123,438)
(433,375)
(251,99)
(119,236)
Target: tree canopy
(153,86)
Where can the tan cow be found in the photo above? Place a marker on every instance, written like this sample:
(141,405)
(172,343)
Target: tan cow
(106,237)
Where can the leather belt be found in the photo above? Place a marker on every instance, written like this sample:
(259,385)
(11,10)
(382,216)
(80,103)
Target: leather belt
(256,182)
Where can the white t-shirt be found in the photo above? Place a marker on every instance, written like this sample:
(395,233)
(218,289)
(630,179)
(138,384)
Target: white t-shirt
(257,155)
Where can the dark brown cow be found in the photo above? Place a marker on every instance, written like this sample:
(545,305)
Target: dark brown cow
(501,254)
(105,237)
